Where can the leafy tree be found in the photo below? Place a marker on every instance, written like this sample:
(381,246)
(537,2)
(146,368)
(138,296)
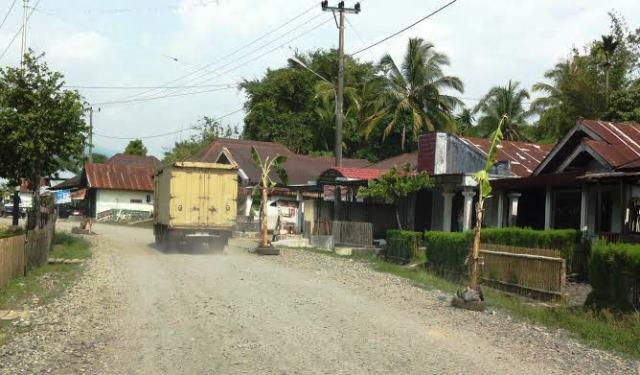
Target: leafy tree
(395,185)
(624,105)
(465,122)
(136,147)
(414,92)
(267,168)
(99,158)
(208,131)
(506,105)
(41,124)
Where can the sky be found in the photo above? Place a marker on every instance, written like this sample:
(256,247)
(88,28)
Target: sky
(211,45)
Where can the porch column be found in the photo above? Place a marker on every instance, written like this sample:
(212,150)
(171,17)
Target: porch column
(513,208)
(300,211)
(500,212)
(547,209)
(446,210)
(584,208)
(468,208)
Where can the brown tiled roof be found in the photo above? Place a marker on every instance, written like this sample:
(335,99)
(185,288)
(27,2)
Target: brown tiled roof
(73,182)
(300,168)
(361,174)
(135,160)
(524,157)
(397,161)
(117,176)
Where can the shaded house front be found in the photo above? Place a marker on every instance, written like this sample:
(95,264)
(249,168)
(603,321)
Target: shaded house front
(589,181)
(294,203)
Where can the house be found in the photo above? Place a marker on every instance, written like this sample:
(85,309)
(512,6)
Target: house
(299,200)
(589,181)
(119,189)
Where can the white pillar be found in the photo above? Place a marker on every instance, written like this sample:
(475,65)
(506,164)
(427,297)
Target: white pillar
(513,208)
(547,209)
(500,213)
(468,209)
(584,208)
(446,210)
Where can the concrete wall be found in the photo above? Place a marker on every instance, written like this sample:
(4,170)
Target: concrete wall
(121,200)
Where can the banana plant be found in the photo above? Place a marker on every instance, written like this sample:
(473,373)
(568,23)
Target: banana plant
(268,167)
(484,187)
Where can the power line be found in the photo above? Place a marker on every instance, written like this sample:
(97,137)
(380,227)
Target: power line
(406,28)
(18,32)
(7,14)
(111,11)
(208,65)
(89,87)
(172,132)
(140,100)
(257,57)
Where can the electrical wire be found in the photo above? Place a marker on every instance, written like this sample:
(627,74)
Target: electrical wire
(111,11)
(168,133)
(90,87)
(19,30)
(406,28)
(8,13)
(223,58)
(139,100)
(256,57)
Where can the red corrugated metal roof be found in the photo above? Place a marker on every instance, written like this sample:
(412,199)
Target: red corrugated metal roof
(620,144)
(361,174)
(119,177)
(524,157)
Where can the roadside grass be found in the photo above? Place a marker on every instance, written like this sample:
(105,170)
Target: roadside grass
(602,329)
(43,283)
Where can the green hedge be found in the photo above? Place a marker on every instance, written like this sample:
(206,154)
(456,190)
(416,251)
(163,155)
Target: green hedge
(612,269)
(564,240)
(446,253)
(402,245)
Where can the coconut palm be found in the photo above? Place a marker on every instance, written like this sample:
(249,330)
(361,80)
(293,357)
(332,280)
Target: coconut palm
(413,93)
(503,101)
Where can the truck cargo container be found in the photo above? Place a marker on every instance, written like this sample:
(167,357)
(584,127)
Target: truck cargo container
(195,204)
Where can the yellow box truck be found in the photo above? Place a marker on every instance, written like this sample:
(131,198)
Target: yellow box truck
(195,203)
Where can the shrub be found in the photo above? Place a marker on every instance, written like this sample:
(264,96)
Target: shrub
(564,240)
(402,245)
(446,252)
(612,270)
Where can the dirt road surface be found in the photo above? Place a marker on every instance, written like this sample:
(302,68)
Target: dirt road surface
(137,310)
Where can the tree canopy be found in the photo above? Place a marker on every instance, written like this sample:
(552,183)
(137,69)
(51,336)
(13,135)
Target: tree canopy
(41,124)
(136,147)
(208,130)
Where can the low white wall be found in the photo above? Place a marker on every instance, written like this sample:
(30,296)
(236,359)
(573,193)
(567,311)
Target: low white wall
(121,200)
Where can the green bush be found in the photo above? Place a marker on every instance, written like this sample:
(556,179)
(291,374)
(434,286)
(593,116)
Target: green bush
(446,252)
(612,270)
(402,245)
(564,240)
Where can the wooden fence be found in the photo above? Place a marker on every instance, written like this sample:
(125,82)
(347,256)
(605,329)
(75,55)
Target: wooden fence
(23,252)
(352,233)
(532,271)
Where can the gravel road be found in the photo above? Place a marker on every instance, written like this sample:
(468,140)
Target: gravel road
(140,311)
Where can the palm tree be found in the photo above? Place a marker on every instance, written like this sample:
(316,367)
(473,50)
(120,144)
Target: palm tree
(464,122)
(413,92)
(503,101)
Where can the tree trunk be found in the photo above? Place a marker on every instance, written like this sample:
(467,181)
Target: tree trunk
(404,134)
(398,217)
(474,271)
(263,221)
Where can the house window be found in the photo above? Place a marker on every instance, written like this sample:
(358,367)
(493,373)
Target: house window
(135,201)
(148,198)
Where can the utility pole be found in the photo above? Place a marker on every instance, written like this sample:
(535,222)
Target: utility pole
(340,90)
(24,31)
(90,134)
